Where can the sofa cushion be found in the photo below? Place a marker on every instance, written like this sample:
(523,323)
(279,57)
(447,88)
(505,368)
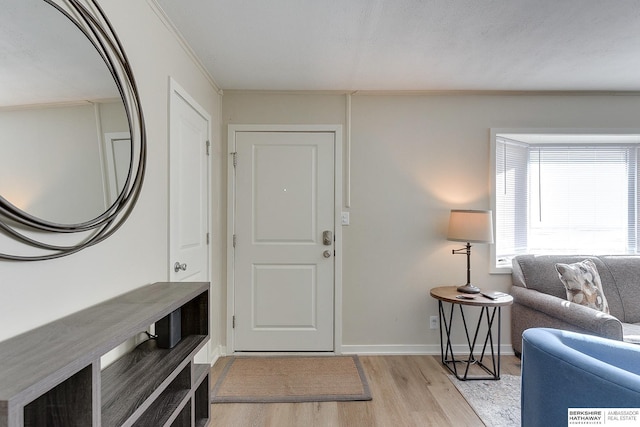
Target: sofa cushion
(582,283)
(624,297)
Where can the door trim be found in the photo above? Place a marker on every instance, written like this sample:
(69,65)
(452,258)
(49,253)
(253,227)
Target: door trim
(109,164)
(231,185)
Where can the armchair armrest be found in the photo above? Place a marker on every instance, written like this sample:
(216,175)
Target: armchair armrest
(536,309)
(562,370)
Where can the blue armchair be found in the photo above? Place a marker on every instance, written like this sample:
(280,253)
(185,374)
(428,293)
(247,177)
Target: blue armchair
(562,370)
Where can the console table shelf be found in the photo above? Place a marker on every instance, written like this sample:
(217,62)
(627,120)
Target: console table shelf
(51,376)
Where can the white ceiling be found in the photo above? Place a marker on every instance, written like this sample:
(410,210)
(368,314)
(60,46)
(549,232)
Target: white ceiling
(352,45)
(45,59)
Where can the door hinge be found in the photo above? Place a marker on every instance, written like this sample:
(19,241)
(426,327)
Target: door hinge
(234,241)
(208,147)
(233,322)
(235,158)
(207,238)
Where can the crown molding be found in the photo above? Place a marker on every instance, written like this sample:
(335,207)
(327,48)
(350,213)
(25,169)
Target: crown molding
(436,92)
(183,43)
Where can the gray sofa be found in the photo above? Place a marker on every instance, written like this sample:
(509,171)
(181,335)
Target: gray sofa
(540,299)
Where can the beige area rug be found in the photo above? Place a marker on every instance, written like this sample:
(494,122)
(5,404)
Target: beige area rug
(291,379)
(497,403)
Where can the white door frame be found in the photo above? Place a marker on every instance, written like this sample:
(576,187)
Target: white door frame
(110,165)
(231,185)
(176,90)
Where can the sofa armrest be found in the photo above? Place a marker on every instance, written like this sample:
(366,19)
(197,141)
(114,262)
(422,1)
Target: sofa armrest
(537,309)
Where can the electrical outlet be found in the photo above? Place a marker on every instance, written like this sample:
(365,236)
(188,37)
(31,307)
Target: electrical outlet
(433,322)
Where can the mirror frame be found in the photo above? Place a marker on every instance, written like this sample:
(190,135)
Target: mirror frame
(37,237)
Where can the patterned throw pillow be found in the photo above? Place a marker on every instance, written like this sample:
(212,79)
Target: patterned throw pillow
(583,285)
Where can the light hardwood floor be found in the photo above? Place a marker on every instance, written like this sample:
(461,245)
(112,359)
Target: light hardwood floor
(407,391)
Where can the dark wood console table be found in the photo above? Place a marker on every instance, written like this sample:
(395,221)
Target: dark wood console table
(51,376)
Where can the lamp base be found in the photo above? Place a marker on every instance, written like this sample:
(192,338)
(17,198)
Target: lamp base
(468,289)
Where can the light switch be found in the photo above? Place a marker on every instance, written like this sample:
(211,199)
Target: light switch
(345,218)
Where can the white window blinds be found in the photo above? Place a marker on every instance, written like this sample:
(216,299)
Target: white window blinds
(565,198)
(511,197)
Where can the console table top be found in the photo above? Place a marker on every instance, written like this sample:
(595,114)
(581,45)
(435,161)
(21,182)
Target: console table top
(56,350)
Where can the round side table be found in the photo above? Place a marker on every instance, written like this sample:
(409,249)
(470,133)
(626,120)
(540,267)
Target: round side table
(488,309)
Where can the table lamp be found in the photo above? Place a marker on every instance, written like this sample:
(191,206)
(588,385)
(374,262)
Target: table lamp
(470,226)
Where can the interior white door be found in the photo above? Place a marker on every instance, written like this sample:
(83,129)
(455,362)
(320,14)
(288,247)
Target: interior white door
(284,244)
(188,194)
(116,150)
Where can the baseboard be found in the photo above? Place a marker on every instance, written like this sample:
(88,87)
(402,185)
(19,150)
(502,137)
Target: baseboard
(413,349)
(383,349)
(217,352)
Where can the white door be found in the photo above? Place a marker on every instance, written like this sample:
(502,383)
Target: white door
(116,148)
(188,194)
(284,241)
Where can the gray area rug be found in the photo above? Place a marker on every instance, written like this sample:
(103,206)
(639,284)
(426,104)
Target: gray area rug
(497,403)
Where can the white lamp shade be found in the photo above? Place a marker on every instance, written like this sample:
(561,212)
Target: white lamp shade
(471,226)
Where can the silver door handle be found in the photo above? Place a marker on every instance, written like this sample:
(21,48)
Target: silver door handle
(326,254)
(177,267)
(327,238)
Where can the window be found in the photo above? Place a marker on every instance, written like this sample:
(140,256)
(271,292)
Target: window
(564,193)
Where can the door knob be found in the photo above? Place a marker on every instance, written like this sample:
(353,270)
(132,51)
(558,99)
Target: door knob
(326,254)
(177,267)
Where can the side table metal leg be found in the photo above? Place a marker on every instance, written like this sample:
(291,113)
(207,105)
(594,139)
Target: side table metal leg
(495,353)
(446,349)
(489,340)
(471,359)
(499,328)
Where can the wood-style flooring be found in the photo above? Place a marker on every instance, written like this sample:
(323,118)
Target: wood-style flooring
(407,391)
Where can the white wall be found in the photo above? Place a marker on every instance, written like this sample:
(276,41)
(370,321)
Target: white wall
(34,293)
(51,163)
(413,158)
